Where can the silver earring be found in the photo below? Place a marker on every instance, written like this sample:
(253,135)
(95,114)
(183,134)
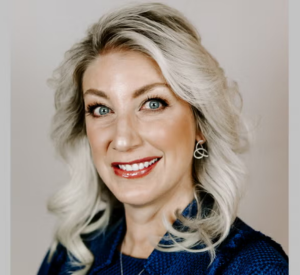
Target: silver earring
(200,152)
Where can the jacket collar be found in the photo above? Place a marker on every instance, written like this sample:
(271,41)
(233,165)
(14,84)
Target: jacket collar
(104,245)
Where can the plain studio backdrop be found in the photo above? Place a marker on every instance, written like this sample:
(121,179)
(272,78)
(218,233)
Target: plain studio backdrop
(249,39)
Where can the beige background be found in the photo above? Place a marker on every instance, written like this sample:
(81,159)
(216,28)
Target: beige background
(250,40)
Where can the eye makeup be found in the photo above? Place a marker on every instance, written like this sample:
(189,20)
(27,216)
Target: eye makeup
(164,103)
(90,109)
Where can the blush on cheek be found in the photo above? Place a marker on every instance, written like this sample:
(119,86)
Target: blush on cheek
(95,144)
(174,131)
(97,136)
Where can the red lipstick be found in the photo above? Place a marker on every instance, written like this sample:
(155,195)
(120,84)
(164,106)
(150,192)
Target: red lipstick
(134,174)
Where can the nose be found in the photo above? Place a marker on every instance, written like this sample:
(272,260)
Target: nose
(126,135)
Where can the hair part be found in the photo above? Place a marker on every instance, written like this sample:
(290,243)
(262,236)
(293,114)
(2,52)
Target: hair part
(166,36)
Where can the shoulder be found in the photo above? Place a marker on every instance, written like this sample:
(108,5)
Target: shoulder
(54,265)
(246,251)
(61,261)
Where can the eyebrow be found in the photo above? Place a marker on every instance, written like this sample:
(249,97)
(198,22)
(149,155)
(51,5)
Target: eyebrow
(140,91)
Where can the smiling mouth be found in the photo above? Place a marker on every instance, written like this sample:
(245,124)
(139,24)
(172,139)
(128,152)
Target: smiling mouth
(135,169)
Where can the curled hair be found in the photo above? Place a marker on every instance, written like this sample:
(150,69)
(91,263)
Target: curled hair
(166,36)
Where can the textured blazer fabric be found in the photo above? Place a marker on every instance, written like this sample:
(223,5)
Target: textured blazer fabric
(244,251)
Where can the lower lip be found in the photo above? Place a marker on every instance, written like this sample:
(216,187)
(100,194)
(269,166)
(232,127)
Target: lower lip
(134,174)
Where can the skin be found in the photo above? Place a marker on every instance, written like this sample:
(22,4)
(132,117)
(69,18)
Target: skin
(131,130)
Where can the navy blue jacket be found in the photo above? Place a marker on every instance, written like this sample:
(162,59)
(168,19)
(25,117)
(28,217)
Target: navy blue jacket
(244,251)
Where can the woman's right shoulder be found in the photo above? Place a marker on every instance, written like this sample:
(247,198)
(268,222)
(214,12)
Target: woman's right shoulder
(60,262)
(54,265)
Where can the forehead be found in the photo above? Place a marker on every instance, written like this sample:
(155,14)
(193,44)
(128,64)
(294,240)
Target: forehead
(121,69)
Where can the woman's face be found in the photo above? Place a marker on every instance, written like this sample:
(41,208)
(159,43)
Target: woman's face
(141,134)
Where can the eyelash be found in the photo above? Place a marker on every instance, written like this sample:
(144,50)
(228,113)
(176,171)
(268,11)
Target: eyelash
(163,102)
(91,107)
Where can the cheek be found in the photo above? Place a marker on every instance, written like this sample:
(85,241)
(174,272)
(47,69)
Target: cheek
(173,134)
(97,139)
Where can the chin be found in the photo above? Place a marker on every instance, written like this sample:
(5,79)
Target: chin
(136,198)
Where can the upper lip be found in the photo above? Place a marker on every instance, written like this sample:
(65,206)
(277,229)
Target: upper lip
(135,161)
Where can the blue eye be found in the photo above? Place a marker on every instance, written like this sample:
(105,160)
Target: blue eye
(102,110)
(97,110)
(154,104)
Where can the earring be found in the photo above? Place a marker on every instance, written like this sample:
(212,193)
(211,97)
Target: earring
(200,152)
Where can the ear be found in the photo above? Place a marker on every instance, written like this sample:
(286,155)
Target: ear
(200,136)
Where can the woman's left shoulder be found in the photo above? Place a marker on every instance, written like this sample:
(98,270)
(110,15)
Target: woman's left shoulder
(247,251)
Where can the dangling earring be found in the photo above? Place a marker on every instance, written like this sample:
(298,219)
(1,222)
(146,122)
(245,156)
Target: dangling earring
(200,152)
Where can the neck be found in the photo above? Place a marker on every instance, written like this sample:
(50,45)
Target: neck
(144,225)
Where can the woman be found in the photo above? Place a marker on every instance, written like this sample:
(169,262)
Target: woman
(147,123)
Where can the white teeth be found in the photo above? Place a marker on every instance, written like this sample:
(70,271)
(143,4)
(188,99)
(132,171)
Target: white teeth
(137,166)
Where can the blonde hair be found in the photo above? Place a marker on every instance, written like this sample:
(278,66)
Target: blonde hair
(165,35)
